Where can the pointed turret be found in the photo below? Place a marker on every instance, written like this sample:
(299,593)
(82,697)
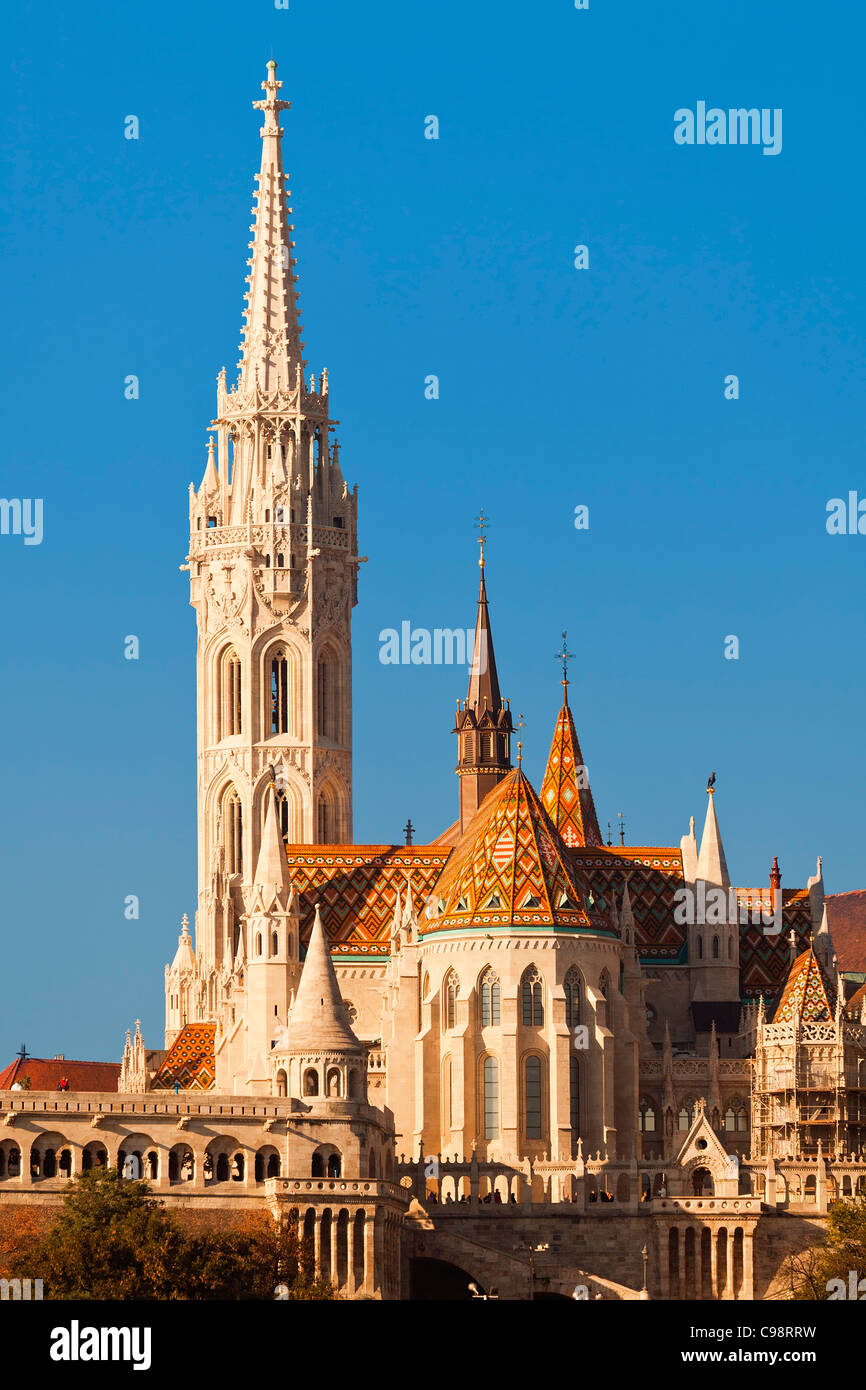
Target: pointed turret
(272,869)
(483,724)
(807,994)
(184,958)
(712,866)
(272,351)
(565,791)
(210,482)
(318,1018)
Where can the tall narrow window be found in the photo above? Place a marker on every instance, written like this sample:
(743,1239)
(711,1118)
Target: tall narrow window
(229,694)
(452,989)
(447,1108)
(283,813)
(327,827)
(532,998)
(573,990)
(326,696)
(491,1098)
(489,1000)
(532,1097)
(279,693)
(574,1098)
(234,838)
(715,948)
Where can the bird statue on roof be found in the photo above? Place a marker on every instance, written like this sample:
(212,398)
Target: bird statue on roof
(712,782)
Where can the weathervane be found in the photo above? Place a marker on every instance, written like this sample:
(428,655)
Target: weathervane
(621,828)
(564,656)
(482,523)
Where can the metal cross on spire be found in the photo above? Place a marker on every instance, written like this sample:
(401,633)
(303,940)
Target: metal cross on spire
(564,656)
(482,524)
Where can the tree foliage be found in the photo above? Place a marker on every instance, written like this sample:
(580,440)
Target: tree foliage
(113,1239)
(808,1274)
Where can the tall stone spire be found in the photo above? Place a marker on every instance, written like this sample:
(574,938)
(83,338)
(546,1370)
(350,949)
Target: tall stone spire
(318,1018)
(483,724)
(272,351)
(565,790)
(272,869)
(712,866)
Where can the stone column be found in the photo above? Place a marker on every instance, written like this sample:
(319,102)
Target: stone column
(369,1285)
(681,1261)
(748,1266)
(714,1262)
(335,1274)
(317,1245)
(662,1242)
(350,1253)
(729,1251)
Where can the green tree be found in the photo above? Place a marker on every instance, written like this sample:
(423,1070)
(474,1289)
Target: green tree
(113,1240)
(809,1272)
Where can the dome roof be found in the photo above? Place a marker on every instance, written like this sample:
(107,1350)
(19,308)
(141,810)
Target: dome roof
(509,869)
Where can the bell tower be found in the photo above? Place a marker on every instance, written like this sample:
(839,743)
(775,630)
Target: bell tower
(483,725)
(273,579)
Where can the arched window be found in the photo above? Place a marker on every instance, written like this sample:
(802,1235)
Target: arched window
(646,1111)
(489,999)
(311,1083)
(736,1117)
(491,1098)
(604,985)
(275,944)
(258,943)
(327,696)
(730,948)
(531,992)
(282,1083)
(233,832)
(574,1099)
(573,986)
(715,948)
(280,694)
(532,1097)
(452,989)
(229,693)
(700,948)
(686,1114)
(333,1166)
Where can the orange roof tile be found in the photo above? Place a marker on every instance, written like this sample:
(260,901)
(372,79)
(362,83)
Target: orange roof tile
(189,1062)
(510,868)
(565,793)
(807,993)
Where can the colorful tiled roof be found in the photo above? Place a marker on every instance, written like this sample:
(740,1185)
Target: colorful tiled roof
(46,1073)
(807,993)
(654,872)
(189,1061)
(357,886)
(765,957)
(510,868)
(565,793)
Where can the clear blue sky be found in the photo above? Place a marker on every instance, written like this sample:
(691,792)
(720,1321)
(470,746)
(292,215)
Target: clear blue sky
(558,387)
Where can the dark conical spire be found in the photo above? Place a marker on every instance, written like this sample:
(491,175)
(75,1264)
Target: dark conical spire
(483,723)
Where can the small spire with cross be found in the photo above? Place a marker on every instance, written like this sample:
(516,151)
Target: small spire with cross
(621,828)
(482,525)
(409,832)
(564,656)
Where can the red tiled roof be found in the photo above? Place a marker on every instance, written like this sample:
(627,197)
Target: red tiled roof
(46,1072)
(846,914)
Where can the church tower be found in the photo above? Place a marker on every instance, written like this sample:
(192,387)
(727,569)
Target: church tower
(273,579)
(483,725)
